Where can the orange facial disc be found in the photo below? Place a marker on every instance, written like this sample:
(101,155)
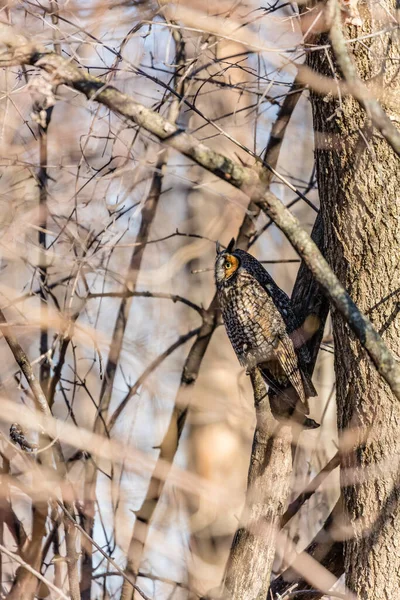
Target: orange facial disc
(231,264)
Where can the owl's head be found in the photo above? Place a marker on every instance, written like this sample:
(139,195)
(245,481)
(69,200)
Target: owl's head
(227,264)
(230,265)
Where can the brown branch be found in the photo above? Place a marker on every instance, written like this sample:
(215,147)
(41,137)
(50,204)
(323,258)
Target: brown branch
(25,582)
(43,116)
(71,536)
(253,549)
(13,523)
(25,366)
(54,381)
(34,572)
(147,294)
(324,549)
(7,513)
(356,86)
(309,490)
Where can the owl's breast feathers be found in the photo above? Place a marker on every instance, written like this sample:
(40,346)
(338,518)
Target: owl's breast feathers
(264,330)
(245,307)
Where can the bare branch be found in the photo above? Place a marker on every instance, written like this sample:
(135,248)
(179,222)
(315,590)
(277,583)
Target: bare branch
(34,572)
(76,525)
(148,294)
(312,486)
(25,366)
(151,367)
(325,551)
(253,548)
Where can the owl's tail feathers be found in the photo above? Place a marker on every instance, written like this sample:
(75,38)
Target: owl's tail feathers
(308,423)
(285,404)
(300,416)
(309,389)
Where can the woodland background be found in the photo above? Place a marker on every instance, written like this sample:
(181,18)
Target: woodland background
(107,248)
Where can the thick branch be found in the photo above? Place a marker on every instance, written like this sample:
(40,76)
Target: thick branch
(253,548)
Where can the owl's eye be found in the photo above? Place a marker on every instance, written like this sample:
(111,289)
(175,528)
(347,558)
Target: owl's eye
(231,265)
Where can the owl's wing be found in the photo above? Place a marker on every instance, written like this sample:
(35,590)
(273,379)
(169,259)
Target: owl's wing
(285,353)
(299,342)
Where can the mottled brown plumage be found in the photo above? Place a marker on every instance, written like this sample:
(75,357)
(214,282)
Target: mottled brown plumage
(263,327)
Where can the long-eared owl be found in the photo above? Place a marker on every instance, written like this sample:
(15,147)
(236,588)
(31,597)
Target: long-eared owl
(263,328)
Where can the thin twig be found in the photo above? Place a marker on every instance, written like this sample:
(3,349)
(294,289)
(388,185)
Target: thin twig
(76,525)
(149,369)
(148,294)
(34,572)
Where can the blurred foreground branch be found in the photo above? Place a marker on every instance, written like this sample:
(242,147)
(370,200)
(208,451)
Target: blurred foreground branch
(34,572)
(323,549)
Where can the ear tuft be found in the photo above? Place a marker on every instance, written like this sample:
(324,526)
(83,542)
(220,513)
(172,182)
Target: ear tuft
(231,245)
(218,248)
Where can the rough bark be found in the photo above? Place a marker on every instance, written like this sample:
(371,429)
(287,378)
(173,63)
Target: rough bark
(253,548)
(359,181)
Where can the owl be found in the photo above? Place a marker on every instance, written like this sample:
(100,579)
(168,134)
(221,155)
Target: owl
(263,329)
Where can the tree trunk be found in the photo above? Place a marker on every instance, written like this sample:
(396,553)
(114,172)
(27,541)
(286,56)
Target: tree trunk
(359,183)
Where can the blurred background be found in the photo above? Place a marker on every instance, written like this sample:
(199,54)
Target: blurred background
(92,209)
